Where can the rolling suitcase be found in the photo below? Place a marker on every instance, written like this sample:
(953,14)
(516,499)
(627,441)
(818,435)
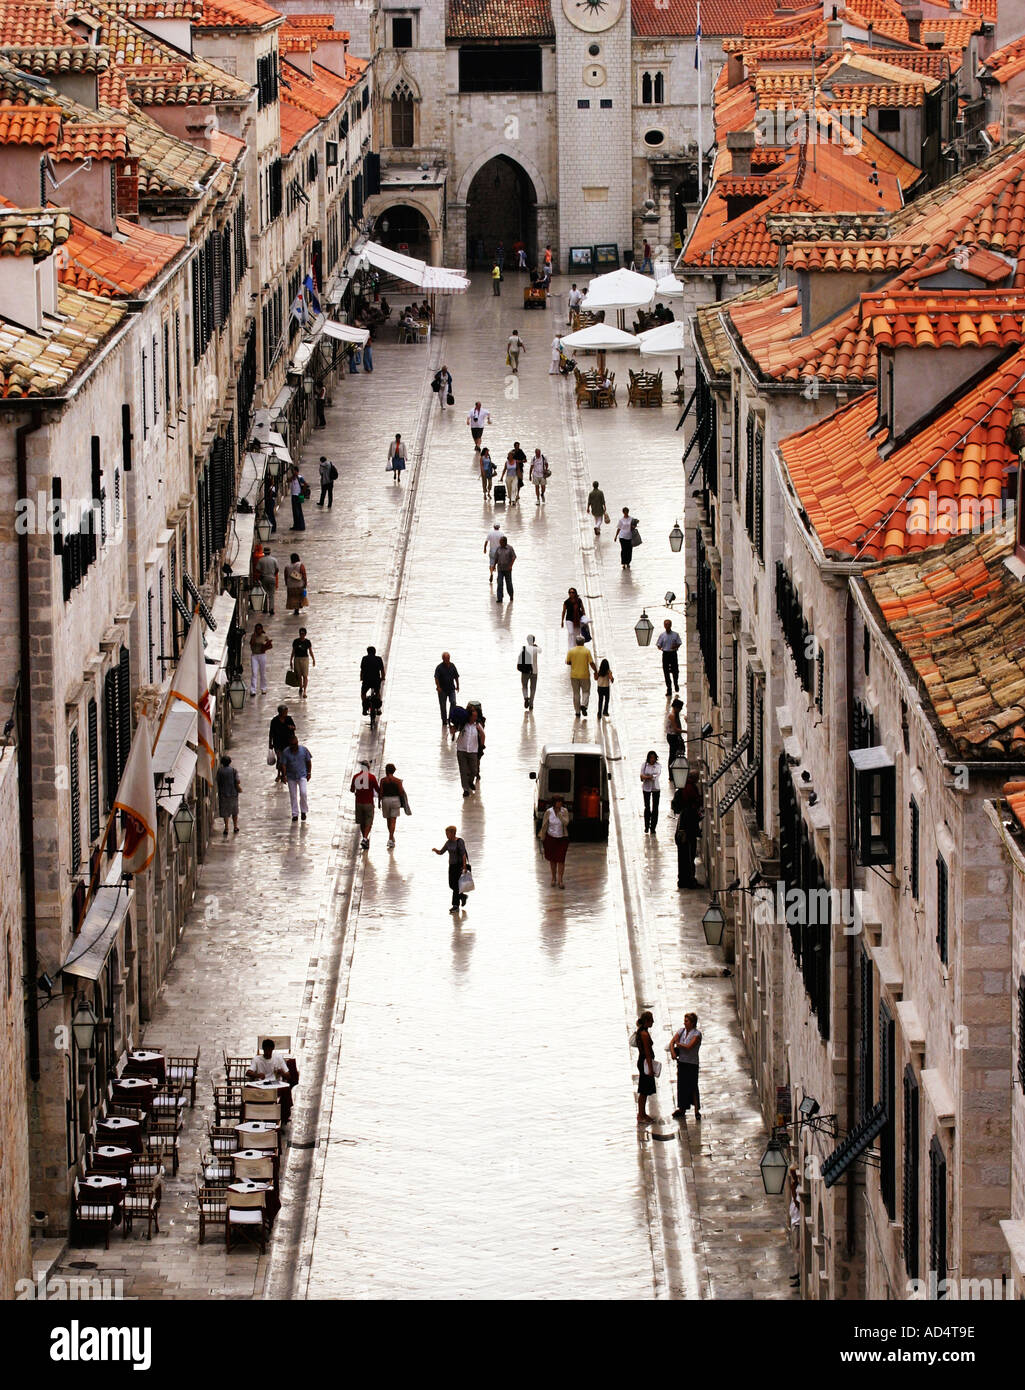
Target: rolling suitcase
(499,492)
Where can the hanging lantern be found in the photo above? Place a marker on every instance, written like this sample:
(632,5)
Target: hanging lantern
(643,630)
(676,539)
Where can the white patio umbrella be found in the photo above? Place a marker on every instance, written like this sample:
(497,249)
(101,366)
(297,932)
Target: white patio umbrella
(669,287)
(601,338)
(667,340)
(619,290)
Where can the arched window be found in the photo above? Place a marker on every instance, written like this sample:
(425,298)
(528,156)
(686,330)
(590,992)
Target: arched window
(653,88)
(402,117)
(646,89)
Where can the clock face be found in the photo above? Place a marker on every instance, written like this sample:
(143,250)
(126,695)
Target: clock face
(592,15)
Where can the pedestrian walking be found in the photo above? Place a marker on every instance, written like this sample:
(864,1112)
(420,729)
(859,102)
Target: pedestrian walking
(446,683)
(624,535)
(229,785)
(259,645)
(397,458)
(496,279)
(297,488)
(527,665)
(302,655)
(441,383)
(365,788)
(504,561)
(295,585)
(539,475)
(596,507)
(320,396)
(674,730)
(553,370)
(371,676)
(554,838)
(581,664)
(267,573)
(651,777)
(521,256)
(477,419)
(684,1049)
(298,765)
(458,864)
(393,800)
(669,644)
(328,476)
(688,806)
(500,256)
(368,357)
(513,348)
(491,542)
(572,618)
(646,259)
(646,1065)
(548,261)
(469,747)
(487,470)
(270,502)
(573,302)
(511,479)
(282,730)
(604,681)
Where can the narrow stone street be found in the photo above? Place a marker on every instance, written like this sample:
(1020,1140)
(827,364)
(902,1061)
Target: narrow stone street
(465,1119)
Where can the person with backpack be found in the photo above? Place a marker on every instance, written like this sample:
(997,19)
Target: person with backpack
(446,683)
(527,667)
(441,384)
(328,475)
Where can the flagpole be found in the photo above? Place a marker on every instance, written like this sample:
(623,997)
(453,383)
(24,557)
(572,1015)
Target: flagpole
(701,138)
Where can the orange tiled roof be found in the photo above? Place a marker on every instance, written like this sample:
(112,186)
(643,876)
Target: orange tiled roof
(31,23)
(865,506)
(675,18)
(33,232)
(867,94)
(499,19)
(944,318)
(1015,791)
(296,122)
(296,43)
(226,147)
(34,364)
(43,61)
(1006,62)
(157,73)
(863,257)
(159,9)
(93,140)
(319,95)
(116,267)
(112,89)
(958,619)
(320,27)
(29,125)
(237,14)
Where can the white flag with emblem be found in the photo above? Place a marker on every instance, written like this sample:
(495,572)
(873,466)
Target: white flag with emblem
(136,800)
(191,684)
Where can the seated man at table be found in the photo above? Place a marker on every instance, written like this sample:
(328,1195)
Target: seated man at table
(268,1063)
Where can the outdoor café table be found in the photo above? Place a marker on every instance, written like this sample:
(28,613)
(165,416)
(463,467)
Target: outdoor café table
(281,1089)
(136,1090)
(143,1063)
(273,1201)
(103,1188)
(124,1130)
(248,1127)
(112,1156)
(258,1153)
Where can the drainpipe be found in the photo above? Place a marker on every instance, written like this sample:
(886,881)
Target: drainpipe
(851,1225)
(28,855)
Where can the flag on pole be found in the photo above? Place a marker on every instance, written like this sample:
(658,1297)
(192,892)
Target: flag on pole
(298,309)
(311,290)
(697,42)
(137,801)
(191,685)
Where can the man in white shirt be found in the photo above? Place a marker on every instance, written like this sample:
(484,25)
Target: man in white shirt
(268,1063)
(491,541)
(513,348)
(539,475)
(477,419)
(469,742)
(527,666)
(267,573)
(553,370)
(573,302)
(669,643)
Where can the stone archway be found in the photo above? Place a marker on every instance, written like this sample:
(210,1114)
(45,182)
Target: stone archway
(501,197)
(404,227)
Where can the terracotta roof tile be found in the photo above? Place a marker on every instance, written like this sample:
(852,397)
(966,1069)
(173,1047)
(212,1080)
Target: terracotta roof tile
(237,14)
(958,620)
(867,94)
(320,27)
(116,267)
(31,23)
(866,506)
(95,140)
(44,364)
(29,125)
(1015,795)
(318,95)
(499,19)
(710,330)
(226,147)
(1006,62)
(670,18)
(863,257)
(159,9)
(944,318)
(157,73)
(43,61)
(33,232)
(296,122)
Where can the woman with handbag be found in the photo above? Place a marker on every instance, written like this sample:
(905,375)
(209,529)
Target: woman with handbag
(554,837)
(259,645)
(392,799)
(647,1068)
(458,865)
(295,584)
(396,458)
(488,470)
(625,527)
(572,616)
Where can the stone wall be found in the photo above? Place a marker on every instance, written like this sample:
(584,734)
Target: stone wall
(15,1261)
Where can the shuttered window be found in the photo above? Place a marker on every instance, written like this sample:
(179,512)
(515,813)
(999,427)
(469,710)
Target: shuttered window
(749,477)
(909,1208)
(93,753)
(916,834)
(117,723)
(76,802)
(942,906)
(866,1038)
(887,1094)
(937,1216)
(759,497)
(1021,1032)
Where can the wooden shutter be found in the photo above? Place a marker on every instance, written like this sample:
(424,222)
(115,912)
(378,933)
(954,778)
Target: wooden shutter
(1021,1032)
(749,478)
(937,1215)
(887,1089)
(909,1209)
(916,832)
(942,903)
(93,753)
(866,1020)
(76,802)
(110,731)
(759,493)
(124,713)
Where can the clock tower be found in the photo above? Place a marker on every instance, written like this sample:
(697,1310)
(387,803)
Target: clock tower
(594,80)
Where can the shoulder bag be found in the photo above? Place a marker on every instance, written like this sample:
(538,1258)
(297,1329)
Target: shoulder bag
(635,535)
(466,881)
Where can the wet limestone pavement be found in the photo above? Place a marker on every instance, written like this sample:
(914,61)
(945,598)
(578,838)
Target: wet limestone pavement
(477,1137)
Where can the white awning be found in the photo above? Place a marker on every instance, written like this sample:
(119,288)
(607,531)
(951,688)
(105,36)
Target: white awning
(619,289)
(179,727)
(345,332)
(303,353)
(103,921)
(182,774)
(435,279)
(239,548)
(223,610)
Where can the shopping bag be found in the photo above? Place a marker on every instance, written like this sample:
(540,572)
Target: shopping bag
(292,678)
(272,757)
(450,399)
(466,881)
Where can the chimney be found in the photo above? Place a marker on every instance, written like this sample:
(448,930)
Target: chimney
(834,32)
(28,278)
(127,190)
(740,144)
(734,70)
(914,19)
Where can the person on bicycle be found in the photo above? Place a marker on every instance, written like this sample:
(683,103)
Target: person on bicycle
(371,675)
